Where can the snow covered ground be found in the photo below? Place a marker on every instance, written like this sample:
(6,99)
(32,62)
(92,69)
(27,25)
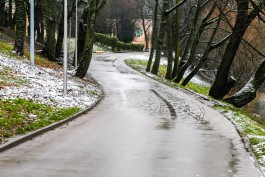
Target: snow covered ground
(45,85)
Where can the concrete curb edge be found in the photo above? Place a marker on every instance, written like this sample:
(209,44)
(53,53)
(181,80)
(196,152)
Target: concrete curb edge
(21,139)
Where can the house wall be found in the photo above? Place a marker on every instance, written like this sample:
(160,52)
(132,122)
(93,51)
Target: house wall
(141,39)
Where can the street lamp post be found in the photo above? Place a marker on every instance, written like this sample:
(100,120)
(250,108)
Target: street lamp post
(65,50)
(76,33)
(32,31)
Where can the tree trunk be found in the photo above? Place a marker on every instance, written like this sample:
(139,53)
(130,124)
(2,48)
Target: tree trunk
(160,40)
(169,44)
(93,9)
(248,92)
(59,43)
(20,27)
(193,40)
(27,3)
(10,15)
(2,13)
(39,26)
(50,13)
(177,47)
(81,36)
(208,49)
(220,86)
(154,36)
(145,33)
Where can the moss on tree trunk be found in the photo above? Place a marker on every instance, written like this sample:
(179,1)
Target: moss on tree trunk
(20,27)
(92,11)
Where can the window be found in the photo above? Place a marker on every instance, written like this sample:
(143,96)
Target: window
(138,32)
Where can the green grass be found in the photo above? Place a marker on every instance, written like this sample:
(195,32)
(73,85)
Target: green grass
(7,49)
(20,116)
(93,92)
(249,126)
(7,78)
(140,65)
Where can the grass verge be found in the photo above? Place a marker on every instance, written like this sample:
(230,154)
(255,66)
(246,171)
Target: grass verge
(7,78)
(20,116)
(7,49)
(140,65)
(252,128)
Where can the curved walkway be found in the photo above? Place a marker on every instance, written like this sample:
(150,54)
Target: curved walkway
(140,129)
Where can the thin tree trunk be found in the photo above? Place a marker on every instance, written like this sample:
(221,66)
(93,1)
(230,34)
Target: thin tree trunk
(207,51)
(169,44)
(153,39)
(2,13)
(39,26)
(177,47)
(59,43)
(20,27)
(160,40)
(28,15)
(10,15)
(145,33)
(81,36)
(193,41)
(50,13)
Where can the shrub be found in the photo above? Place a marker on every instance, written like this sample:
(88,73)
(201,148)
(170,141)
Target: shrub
(116,45)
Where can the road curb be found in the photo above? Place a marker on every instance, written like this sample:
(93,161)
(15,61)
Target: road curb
(21,139)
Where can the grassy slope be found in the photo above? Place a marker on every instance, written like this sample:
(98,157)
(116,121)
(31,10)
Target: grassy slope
(252,128)
(20,116)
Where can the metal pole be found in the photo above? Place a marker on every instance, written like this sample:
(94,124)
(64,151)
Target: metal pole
(76,33)
(69,37)
(65,50)
(32,35)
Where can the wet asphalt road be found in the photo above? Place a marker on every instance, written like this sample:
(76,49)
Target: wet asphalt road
(140,129)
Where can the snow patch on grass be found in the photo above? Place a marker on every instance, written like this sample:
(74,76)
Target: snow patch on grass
(45,85)
(250,129)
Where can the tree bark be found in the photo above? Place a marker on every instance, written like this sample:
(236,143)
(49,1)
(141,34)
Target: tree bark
(20,27)
(153,39)
(169,44)
(249,91)
(93,9)
(81,36)
(177,47)
(160,40)
(50,13)
(2,13)
(59,43)
(10,16)
(221,85)
(39,26)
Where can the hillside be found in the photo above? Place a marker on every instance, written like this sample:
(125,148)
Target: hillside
(32,97)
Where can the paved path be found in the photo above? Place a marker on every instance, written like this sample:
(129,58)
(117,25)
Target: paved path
(140,129)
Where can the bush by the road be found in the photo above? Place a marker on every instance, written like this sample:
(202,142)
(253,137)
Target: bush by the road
(115,44)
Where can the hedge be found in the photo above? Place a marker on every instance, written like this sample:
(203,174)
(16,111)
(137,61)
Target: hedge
(115,44)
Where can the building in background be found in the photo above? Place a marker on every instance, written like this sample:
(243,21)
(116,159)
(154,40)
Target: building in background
(139,37)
